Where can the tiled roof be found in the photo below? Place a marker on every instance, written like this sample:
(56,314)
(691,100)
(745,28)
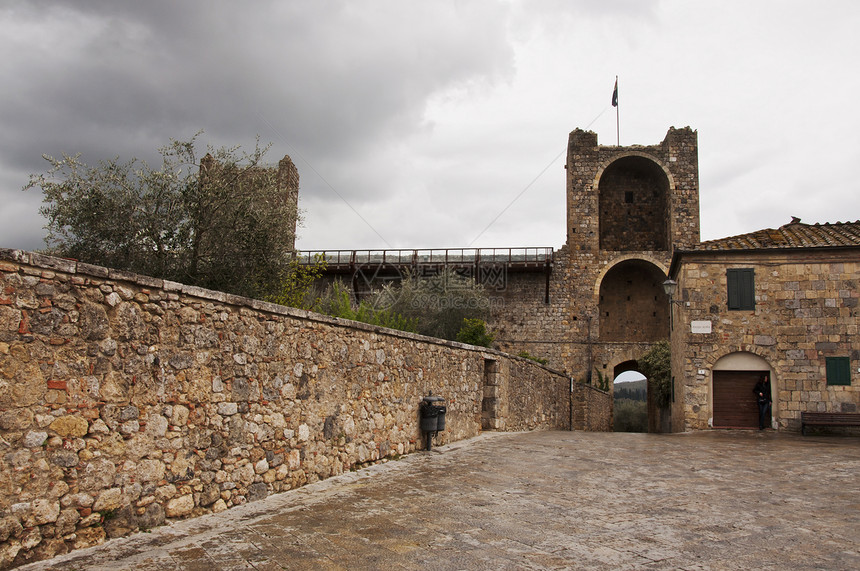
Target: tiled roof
(795,234)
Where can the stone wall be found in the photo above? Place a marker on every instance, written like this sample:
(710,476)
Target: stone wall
(806,309)
(591,408)
(627,208)
(128,401)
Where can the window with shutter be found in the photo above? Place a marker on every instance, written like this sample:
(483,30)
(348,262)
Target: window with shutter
(838,370)
(741,288)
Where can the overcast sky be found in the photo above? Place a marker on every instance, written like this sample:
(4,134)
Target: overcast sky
(419,124)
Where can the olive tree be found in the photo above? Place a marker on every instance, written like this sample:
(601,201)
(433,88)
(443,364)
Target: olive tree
(440,302)
(220,221)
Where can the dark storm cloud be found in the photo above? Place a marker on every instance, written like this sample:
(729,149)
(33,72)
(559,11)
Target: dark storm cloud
(321,71)
(329,81)
(417,123)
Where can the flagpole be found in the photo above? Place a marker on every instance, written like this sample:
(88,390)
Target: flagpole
(617,116)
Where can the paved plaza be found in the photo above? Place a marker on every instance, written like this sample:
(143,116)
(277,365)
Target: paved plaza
(540,500)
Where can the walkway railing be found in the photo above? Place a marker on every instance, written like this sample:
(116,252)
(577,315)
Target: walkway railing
(513,258)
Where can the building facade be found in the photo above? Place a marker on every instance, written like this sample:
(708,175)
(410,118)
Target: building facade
(777,303)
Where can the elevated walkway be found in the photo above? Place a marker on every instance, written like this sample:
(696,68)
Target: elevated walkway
(343,261)
(488,266)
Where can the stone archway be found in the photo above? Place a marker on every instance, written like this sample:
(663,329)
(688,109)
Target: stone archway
(633,205)
(732,401)
(632,304)
(629,398)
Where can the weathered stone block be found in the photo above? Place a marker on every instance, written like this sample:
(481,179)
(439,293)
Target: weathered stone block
(121,523)
(52,263)
(227,408)
(88,537)
(44,511)
(10,526)
(150,471)
(152,516)
(179,507)
(109,500)
(256,492)
(91,270)
(97,474)
(70,426)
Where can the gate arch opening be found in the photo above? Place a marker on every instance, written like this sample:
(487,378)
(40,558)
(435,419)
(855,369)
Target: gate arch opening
(630,398)
(733,403)
(634,205)
(632,304)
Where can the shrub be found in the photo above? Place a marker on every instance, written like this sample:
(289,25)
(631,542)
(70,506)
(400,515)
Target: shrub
(336,301)
(439,302)
(474,332)
(630,416)
(656,364)
(526,355)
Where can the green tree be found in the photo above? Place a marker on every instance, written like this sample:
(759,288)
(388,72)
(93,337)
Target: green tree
(337,302)
(630,416)
(296,288)
(439,302)
(220,222)
(434,305)
(474,332)
(656,364)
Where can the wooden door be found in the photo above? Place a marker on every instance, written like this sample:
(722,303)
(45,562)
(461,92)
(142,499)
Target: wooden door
(734,401)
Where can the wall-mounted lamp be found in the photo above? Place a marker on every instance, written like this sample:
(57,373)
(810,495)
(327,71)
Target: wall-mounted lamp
(670,286)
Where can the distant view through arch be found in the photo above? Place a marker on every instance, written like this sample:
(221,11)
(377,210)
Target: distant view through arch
(630,391)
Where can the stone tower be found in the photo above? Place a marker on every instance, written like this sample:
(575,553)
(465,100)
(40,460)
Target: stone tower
(633,198)
(627,208)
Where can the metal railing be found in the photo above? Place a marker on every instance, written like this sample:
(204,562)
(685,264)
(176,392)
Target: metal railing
(336,259)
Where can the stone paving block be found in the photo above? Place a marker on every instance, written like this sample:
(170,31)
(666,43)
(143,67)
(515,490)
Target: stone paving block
(637,501)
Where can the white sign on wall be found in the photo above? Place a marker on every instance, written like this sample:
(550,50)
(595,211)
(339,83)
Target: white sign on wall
(700,327)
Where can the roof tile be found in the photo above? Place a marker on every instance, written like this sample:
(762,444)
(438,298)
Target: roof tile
(795,234)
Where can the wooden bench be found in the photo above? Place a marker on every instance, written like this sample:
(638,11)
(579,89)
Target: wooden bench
(828,419)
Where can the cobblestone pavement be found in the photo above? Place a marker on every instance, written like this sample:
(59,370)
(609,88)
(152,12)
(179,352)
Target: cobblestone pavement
(541,500)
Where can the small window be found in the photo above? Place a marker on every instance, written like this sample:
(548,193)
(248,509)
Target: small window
(838,371)
(628,197)
(741,288)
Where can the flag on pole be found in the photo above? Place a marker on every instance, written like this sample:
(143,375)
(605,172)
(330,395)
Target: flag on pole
(615,104)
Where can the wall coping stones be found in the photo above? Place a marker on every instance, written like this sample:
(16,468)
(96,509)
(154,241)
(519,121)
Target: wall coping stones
(84,269)
(218,412)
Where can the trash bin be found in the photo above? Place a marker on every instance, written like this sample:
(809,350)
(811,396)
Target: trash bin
(429,417)
(432,416)
(440,419)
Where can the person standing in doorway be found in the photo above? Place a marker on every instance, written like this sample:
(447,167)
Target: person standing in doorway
(762,396)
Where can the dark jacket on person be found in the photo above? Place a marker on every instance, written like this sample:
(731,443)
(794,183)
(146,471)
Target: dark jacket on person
(762,391)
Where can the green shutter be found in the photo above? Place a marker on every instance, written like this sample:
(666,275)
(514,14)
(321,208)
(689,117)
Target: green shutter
(741,288)
(838,370)
(747,279)
(733,289)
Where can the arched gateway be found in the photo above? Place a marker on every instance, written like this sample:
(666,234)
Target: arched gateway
(597,301)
